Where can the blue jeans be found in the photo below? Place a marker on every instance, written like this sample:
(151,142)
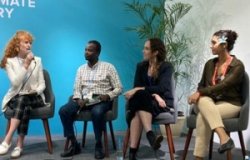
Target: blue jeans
(68,112)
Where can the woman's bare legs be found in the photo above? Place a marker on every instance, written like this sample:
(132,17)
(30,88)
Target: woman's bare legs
(146,120)
(222,135)
(14,123)
(135,131)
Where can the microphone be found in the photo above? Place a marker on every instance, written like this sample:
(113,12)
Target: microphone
(171,110)
(33,58)
(79,110)
(85,101)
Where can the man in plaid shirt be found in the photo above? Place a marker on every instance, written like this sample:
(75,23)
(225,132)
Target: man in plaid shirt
(94,79)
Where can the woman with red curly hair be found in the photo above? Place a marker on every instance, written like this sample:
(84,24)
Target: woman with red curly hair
(25,73)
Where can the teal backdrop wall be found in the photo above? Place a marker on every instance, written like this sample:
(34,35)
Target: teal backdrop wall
(61,29)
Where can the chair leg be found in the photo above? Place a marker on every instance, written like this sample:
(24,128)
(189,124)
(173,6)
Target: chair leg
(169,140)
(112,134)
(229,153)
(48,136)
(84,133)
(188,139)
(211,146)
(243,149)
(172,141)
(125,142)
(106,143)
(7,127)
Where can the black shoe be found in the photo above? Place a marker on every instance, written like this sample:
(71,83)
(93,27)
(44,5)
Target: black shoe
(226,146)
(132,156)
(154,141)
(73,150)
(99,153)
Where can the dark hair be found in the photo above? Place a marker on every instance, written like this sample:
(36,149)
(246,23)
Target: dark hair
(157,44)
(97,44)
(230,36)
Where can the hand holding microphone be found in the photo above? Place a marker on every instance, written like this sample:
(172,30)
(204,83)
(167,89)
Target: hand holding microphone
(28,59)
(162,103)
(82,103)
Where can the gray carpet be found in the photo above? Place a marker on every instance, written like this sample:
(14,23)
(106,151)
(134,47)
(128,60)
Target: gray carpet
(36,149)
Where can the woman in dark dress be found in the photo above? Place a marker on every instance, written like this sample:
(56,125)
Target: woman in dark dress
(151,95)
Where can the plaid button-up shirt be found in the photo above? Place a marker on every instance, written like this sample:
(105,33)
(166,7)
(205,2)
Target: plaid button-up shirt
(100,79)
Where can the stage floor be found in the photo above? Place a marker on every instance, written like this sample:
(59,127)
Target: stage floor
(36,149)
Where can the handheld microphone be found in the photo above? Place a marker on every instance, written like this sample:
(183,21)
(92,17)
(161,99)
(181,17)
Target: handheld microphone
(171,110)
(33,58)
(80,108)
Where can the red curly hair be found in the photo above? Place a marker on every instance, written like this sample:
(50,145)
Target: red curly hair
(12,47)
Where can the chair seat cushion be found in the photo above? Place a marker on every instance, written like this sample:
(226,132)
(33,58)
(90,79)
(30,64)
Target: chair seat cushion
(232,125)
(165,118)
(38,113)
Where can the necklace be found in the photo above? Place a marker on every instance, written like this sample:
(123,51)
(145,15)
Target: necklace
(219,77)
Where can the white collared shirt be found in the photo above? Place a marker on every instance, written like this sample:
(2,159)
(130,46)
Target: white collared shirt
(100,79)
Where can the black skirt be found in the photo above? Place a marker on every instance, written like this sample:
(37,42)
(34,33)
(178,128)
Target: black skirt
(143,100)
